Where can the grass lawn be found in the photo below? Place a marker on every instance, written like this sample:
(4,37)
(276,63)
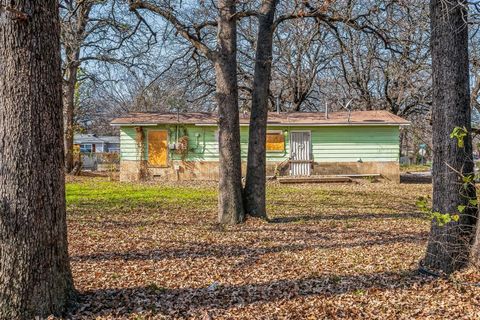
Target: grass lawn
(331,251)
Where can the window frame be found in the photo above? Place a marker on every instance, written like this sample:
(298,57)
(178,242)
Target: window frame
(86,144)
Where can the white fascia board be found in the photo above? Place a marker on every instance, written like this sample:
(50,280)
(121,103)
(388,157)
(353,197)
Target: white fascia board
(133,124)
(314,124)
(272,124)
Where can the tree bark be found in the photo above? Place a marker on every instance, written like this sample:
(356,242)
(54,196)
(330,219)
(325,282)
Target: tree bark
(35,276)
(254,192)
(475,254)
(449,245)
(230,205)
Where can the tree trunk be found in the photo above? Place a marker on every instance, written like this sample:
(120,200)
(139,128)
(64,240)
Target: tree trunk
(230,206)
(449,245)
(35,276)
(475,255)
(69,85)
(254,192)
(72,41)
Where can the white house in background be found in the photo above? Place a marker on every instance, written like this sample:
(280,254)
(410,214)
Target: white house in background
(91,143)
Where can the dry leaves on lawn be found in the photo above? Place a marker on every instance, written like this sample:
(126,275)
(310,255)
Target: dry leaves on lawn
(329,252)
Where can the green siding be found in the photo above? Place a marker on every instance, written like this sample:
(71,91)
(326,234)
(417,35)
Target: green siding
(128,146)
(329,144)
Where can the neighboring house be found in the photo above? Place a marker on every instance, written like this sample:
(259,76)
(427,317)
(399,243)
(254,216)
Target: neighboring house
(184,146)
(91,143)
(94,149)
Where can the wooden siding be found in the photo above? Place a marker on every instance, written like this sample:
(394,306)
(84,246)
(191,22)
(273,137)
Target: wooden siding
(329,144)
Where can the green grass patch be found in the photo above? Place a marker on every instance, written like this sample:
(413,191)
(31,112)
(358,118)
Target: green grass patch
(105,194)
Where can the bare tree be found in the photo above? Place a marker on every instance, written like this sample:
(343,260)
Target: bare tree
(96,31)
(449,245)
(74,25)
(35,276)
(254,192)
(224,59)
(303,54)
(395,78)
(475,67)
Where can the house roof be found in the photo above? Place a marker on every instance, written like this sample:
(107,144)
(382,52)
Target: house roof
(94,139)
(109,139)
(375,117)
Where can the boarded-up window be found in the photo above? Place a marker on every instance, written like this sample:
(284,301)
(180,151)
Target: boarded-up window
(157,148)
(275,141)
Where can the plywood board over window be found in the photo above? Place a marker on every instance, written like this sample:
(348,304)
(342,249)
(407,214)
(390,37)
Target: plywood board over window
(158,148)
(275,141)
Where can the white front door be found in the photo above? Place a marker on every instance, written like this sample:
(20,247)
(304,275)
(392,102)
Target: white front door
(300,153)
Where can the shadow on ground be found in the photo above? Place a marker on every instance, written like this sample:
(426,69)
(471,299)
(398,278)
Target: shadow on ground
(416,178)
(344,217)
(187,302)
(200,250)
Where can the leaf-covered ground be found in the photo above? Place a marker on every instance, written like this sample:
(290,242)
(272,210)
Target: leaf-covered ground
(330,252)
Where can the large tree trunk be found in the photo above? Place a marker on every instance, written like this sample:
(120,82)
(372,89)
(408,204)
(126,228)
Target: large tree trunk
(254,193)
(449,245)
(35,276)
(69,85)
(230,206)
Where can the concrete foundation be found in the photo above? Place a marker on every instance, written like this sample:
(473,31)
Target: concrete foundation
(208,170)
(389,170)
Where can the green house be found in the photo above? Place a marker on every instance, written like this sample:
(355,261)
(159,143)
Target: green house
(184,146)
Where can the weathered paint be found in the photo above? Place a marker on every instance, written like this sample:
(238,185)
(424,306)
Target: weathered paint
(158,148)
(329,144)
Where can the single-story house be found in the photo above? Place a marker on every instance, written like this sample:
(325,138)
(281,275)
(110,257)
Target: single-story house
(184,146)
(91,143)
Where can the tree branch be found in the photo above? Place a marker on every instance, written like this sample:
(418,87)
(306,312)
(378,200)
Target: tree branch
(177,24)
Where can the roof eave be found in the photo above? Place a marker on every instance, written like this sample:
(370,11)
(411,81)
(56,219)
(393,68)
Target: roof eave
(134,124)
(269,124)
(317,124)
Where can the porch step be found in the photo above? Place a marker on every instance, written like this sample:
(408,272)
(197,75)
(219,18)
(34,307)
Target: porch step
(315,179)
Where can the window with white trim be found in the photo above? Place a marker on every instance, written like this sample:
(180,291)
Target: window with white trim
(86,148)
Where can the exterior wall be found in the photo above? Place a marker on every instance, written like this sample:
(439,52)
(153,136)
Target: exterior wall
(335,150)
(208,170)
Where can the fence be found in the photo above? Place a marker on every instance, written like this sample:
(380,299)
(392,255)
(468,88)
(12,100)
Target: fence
(102,161)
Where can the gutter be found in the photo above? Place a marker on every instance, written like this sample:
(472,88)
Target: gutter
(133,124)
(340,124)
(317,124)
